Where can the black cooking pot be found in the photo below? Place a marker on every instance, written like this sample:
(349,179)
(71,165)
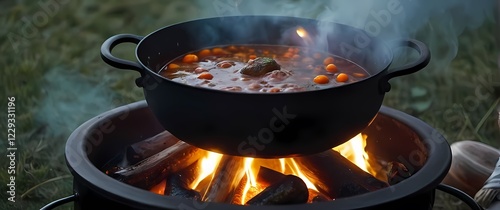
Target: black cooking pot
(263,124)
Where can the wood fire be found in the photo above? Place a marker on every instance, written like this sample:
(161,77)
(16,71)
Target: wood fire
(183,170)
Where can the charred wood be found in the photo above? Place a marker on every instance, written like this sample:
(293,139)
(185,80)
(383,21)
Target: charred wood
(225,180)
(289,190)
(177,187)
(397,172)
(339,173)
(146,148)
(152,170)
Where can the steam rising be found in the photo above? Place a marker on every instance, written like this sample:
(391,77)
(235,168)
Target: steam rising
(71,99)
(437,23)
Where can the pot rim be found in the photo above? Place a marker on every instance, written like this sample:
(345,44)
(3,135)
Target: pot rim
(379,42)
(437,164)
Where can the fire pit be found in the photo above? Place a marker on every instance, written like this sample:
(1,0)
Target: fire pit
(393,137)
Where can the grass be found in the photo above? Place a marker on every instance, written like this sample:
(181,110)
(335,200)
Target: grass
(59,81)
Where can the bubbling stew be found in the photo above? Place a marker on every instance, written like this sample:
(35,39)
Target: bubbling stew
(262,68)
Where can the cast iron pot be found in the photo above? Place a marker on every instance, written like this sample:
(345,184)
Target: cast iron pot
(263,124)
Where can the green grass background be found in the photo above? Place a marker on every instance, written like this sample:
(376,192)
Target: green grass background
(59,81)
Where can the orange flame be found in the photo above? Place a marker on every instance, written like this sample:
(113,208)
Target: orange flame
(207,165)
(353,150)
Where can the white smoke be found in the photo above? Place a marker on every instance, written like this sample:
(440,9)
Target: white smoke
(436,23)
(70,99)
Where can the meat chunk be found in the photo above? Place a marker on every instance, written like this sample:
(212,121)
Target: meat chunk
(260,66)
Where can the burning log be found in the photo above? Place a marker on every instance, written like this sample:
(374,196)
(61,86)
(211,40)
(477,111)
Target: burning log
(237,197)
(146,148)
(397,172)
(188,175)
(226,177)
(339,175)
(289,190)
(267,176)
(154,169)
(177,187)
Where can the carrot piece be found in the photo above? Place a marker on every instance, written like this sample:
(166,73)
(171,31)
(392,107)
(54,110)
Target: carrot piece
(205,53)
(328,60)
(190,58)
(224,64)
(332,68)
(342,77)
(321,79)
(252,56)
(173,66)
(205,75)
(218,51)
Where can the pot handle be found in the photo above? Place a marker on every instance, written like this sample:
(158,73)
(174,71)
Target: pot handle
(420,63)
(464,197)
(111,42)
(59,202)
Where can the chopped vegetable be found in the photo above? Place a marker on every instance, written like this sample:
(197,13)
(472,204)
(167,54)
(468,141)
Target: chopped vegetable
(224,64)
(173,66)
(332,68)
(205,52)
(205,75)
(190,58)
(342,77)
(218,51)
(321,79)
(260,66)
